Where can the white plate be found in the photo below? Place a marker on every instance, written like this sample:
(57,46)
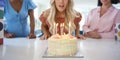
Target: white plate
(78,55)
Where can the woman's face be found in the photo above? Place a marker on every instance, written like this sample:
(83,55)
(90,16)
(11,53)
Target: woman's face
(61,5)
(105,2)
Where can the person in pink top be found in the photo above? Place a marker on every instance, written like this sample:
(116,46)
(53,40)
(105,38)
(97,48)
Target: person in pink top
(101,20)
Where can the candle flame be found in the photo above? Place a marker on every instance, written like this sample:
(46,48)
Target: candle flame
(69,24)
(57,24)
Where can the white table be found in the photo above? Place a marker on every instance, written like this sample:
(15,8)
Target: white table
(33,49)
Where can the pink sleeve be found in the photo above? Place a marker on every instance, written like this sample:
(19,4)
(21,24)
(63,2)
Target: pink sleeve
(108,35)
(87,24)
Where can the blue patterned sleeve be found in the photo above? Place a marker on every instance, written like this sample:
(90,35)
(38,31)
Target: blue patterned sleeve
(31,5)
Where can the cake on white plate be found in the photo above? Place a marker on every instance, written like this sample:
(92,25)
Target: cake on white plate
(62,45)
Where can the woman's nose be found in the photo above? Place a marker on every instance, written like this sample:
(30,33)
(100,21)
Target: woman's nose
(61,1)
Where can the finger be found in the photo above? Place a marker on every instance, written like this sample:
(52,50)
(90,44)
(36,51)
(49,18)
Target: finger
(30,36)
(83,38)
(33,36)
(84,34)
(98,37)
(7,36)
(13,35)
(80,37)
(10,35)
(45,37)
(42,37)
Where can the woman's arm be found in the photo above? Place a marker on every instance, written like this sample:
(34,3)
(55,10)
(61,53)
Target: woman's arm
(32,24)
(108,35)
(86,25)
(77,31)
(44,26)
(45,31)
(87,31)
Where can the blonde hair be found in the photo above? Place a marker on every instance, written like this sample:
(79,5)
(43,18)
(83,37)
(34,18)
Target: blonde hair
(70,15)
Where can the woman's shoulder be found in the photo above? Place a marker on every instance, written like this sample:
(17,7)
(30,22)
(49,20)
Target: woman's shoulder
(94,10)
(97,8)
(115,8)
(78,17)
(45,13)
(78,14)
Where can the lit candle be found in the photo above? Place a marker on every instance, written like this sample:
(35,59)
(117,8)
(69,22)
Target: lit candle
(62,28)
(64,33)
(69,26)
(56,28)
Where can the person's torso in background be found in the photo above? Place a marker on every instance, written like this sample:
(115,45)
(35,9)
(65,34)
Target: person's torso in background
(16,22)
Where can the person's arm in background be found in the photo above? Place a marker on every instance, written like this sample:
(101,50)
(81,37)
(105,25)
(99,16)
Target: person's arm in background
(87,31)
(87,24)
(45,31)
(77,31)
(32,24)
(86,28)
(44,26)
(107,35)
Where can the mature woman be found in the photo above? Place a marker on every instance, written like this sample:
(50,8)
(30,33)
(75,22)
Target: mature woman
(101,20)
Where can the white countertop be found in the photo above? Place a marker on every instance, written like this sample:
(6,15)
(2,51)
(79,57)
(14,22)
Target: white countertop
(33,49)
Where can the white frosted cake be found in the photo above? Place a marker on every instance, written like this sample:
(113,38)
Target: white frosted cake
(62,45)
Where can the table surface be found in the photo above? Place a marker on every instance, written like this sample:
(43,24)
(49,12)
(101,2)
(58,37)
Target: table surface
(33,49)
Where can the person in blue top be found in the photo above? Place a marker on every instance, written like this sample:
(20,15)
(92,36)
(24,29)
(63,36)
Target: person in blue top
(16,13)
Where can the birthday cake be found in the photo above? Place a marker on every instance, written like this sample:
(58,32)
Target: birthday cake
(62,45)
